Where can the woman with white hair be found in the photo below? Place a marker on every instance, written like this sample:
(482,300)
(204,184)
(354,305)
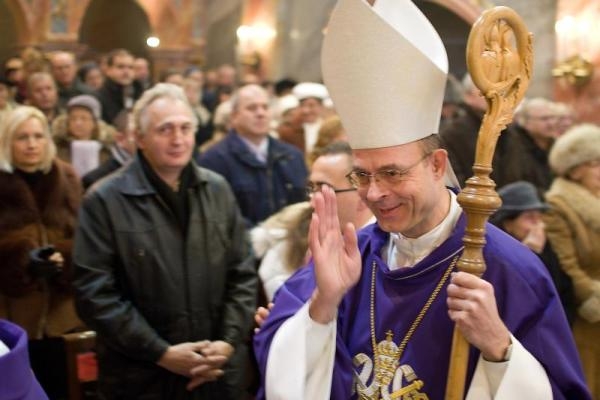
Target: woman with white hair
(573,227)
(39,198)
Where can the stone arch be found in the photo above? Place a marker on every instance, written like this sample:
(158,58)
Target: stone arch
(169,21)
(15,29)
(153,10)
(19,13)
(108,24)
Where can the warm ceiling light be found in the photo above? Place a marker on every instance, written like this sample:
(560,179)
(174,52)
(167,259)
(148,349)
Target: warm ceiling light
(153,41)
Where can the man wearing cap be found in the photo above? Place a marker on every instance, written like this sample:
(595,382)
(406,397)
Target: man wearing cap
(373,316)
(311,96)
(521,217)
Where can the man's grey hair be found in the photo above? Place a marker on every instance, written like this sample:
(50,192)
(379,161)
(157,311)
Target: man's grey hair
(158,91)
(15,119)
(235,99)
(39,76)
(523,111)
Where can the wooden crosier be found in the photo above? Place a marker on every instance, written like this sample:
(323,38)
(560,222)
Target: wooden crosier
(502,74)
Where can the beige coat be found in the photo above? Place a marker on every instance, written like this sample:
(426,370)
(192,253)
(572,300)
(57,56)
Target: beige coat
(103,133)
(573,227)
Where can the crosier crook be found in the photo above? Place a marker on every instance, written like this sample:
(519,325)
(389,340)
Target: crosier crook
(502,75)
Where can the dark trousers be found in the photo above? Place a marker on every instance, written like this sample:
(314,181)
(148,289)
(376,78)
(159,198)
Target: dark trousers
(49,364)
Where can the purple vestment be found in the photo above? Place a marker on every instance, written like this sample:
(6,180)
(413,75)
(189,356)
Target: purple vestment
(526,299)
(17,381)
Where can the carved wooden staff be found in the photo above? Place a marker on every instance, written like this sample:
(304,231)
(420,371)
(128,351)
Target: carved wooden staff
(502,75)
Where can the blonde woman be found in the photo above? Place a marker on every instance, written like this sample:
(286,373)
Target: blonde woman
(39,197)
(573,227)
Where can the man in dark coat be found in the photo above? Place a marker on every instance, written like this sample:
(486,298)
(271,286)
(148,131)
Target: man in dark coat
(528,143)
(164,271)
(264,173)
(64,71)
(460,135)
(120,89)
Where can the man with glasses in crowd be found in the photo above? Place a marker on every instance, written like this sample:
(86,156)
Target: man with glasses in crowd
(332,164)
(373,316)
(528,143)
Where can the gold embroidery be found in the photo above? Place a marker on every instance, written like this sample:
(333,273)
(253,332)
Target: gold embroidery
(387,354)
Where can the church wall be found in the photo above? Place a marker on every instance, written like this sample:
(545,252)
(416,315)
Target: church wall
(203,32)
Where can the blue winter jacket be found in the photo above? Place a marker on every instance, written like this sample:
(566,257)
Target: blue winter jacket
(260,189)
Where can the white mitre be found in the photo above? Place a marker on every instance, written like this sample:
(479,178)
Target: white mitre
(385,67)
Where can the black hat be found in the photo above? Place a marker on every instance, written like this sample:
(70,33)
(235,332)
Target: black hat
(517,197)
(520,196)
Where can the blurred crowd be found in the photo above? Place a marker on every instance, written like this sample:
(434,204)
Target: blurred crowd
(66,125)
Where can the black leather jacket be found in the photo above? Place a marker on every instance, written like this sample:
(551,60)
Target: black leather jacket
(143,285)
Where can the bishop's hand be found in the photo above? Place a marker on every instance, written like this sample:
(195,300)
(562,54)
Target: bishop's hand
(336,256)
(472,306)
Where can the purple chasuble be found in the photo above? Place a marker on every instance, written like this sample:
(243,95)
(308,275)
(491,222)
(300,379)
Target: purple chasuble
(17,381)
(526,299)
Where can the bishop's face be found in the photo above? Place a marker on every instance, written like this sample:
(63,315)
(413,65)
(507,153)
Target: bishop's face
(416,200)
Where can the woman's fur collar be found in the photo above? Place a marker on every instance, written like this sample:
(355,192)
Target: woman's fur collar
(581,200)
(59,191)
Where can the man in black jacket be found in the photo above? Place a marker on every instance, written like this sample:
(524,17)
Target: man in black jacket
(64,71)
(120,89)
(164,272)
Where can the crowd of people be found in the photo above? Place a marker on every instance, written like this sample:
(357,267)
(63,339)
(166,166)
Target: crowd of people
(161,214)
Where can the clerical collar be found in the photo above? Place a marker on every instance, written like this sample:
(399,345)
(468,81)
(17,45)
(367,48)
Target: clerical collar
(261,150)
(405,252)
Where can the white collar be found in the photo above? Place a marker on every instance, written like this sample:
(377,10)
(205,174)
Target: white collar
(405,252)
(260,150)
(3,349)
(311,133)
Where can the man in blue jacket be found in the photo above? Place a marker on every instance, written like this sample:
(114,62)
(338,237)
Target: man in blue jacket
(264,173)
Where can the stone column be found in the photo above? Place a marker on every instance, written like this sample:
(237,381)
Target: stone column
(299,37)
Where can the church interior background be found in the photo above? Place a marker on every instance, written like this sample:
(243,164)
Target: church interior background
(282,38)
